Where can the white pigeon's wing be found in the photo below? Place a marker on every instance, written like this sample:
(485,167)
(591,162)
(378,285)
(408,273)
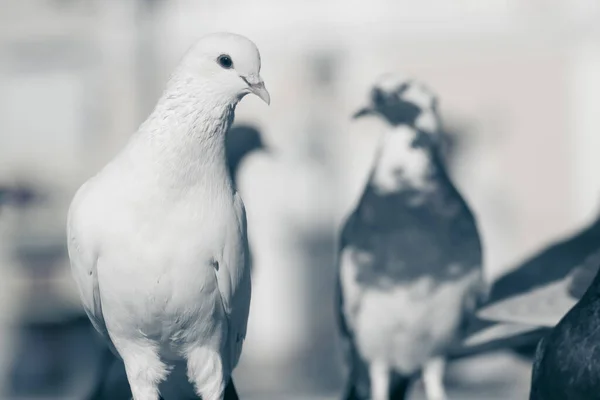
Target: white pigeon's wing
(233,278)
(544,306)
(84,260)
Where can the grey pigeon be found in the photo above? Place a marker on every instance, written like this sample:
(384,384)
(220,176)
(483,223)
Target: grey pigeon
(410,260)
(157,239)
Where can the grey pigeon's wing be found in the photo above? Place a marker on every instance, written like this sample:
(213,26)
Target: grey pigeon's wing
(545,305)
(347,298)
(497,332)
(233,279)
(84,261)
(467,239)
(551,264)
(496,337)
(353,259)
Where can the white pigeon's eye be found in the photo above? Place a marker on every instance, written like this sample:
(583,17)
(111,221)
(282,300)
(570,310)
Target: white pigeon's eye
(225,61)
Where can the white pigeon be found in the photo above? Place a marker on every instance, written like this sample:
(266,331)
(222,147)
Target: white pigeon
(410,264)
(157,239)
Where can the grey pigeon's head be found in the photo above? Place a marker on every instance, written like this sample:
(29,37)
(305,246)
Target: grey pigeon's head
(226,66)
(403,101)
(240,141)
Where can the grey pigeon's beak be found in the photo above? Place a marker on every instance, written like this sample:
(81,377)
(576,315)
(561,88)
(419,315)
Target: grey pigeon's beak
(257,86)
(362,112)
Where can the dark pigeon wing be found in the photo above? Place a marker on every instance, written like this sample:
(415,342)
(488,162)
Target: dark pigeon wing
(550,265)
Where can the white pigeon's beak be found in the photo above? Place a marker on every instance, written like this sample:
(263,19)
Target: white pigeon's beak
(257,86)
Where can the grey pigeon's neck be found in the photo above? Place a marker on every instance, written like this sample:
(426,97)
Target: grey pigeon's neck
(184,137)
(403,163)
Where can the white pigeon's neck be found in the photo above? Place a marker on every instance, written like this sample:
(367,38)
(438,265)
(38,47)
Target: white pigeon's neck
(402,164)
(184,137)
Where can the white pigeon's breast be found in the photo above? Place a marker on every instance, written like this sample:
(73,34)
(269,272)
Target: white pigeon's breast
(156,267)
(402,324)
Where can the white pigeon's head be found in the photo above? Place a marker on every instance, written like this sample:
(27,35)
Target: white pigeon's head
(402,101)
(226,65)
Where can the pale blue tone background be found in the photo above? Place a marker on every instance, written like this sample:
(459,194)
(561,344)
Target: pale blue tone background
(519,81)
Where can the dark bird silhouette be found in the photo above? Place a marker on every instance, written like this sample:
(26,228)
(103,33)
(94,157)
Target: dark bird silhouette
(241,141)
(410,261)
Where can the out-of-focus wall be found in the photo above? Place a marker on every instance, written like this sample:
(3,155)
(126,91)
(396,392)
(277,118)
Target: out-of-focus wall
(518,81)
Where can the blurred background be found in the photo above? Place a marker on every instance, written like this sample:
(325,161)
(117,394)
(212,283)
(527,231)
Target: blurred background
(519,87)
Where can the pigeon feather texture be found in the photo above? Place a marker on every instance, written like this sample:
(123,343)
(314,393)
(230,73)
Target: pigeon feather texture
(566,361)
(410,262)
(158,241)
